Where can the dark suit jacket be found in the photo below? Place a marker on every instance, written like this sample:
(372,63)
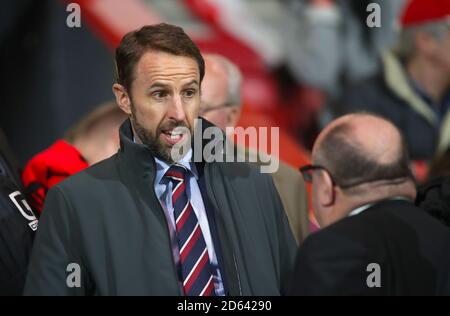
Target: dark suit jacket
(409,246)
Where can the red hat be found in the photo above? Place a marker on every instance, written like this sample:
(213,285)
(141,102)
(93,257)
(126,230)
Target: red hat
(423,11)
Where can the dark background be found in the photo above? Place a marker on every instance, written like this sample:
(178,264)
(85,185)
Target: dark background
(51,75)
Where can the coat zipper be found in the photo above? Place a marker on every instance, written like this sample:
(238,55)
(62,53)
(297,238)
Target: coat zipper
(237,273)
(213,200)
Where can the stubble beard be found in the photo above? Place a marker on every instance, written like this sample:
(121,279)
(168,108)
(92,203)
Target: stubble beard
(152,142)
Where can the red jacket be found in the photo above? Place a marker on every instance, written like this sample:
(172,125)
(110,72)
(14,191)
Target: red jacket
(48,168)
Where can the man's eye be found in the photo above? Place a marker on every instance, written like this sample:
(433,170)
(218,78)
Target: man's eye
(159,94)
(189,93)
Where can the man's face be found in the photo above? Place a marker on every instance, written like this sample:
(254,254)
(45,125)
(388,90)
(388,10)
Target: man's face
(436,50)
(443,53)
(214,97)
(165,94)
(218,115)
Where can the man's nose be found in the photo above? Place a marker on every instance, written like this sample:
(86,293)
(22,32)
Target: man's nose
(176,110)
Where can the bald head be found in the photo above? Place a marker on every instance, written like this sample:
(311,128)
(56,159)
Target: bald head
(376,137)
(215,83)
(359,148)
(222,81)
(221,91)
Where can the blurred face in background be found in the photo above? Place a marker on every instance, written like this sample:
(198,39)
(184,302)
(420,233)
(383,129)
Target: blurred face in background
(165,95)
(435,48)
(214,99)
(443,52)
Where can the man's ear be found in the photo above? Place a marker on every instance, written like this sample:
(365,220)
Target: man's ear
(122,98)
(233,115)
(327,192)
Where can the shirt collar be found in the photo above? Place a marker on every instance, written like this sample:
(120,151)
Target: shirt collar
(163,166)
(359,210)
(367,206)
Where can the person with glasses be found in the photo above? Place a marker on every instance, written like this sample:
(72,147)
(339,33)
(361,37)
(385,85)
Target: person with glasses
(221,105)
(221,92)
(373,240)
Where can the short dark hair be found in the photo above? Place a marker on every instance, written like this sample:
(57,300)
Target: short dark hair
(350,166)
(159,37)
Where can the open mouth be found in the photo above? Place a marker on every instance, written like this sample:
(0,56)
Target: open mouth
(172,137)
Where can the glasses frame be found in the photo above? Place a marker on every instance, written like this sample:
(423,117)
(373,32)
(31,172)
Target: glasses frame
(219,107)
(308,177)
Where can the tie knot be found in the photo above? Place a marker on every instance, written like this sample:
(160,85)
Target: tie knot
(176,172)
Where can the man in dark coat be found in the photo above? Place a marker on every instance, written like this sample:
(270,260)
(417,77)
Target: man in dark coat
(413,88)
(155,219)
(17,225)
(221,104)
(373,241)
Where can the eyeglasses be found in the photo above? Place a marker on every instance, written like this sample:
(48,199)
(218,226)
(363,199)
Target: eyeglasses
(206,109)
(308,170)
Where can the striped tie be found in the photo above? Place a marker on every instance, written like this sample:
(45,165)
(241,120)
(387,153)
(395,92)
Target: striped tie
(194,259)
